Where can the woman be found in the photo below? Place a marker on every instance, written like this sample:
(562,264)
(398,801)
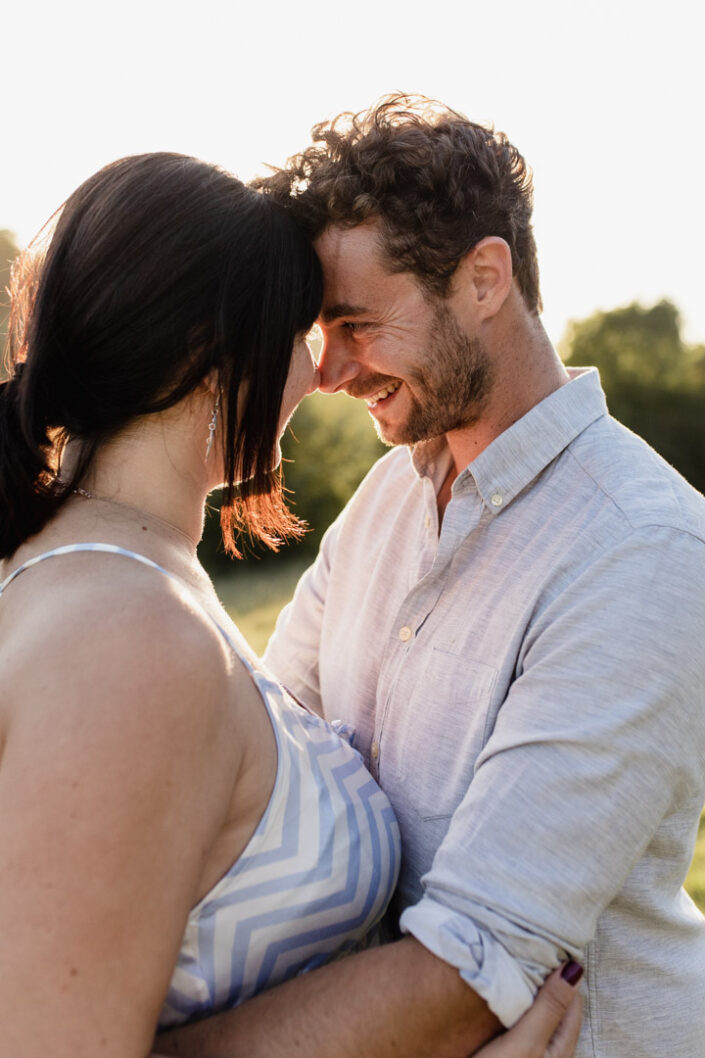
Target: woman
(177,834)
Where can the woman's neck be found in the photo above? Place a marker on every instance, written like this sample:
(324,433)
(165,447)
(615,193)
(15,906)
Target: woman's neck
(148,473)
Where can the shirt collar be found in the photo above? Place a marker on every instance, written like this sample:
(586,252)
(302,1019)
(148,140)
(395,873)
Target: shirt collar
(526,448)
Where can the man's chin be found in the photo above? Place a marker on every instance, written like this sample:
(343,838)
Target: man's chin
(406,433)
(388,435)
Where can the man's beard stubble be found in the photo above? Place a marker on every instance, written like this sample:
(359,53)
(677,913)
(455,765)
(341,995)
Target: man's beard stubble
(454,382)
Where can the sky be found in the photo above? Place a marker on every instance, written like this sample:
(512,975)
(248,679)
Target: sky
(605,100)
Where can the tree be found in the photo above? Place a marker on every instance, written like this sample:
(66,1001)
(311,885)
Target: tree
(654,381)
(8,252)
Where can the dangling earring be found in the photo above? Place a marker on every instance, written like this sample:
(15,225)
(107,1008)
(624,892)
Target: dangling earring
(212,426)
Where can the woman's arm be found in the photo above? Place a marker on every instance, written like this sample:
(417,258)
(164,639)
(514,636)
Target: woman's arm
(112,787)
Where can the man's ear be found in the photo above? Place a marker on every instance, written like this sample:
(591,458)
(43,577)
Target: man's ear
(486,272)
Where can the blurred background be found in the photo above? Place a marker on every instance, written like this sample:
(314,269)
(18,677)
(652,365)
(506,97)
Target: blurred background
(604,100)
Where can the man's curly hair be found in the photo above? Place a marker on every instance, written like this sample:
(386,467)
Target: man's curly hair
(437,182)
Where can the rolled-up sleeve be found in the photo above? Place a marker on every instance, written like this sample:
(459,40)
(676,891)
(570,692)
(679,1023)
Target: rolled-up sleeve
(598,740)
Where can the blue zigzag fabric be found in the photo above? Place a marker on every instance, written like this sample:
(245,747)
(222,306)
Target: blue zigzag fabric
(314,879)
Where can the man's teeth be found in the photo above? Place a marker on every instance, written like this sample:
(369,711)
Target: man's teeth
(372,402)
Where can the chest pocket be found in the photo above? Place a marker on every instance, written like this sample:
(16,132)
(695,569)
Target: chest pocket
(435,727)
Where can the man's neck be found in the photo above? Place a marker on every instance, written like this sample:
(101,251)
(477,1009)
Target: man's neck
(443,496)
(525,373)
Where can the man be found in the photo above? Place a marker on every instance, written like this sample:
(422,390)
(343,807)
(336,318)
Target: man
(510,612)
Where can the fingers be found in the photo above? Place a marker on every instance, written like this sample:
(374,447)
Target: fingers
(550,1027)
(565,1038)
(552,1024)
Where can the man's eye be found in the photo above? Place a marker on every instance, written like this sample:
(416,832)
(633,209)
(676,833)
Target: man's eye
(352,326)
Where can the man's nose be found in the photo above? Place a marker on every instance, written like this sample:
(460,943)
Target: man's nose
(336,366)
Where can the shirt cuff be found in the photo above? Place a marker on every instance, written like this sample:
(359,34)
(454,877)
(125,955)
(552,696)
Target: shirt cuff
(483,963)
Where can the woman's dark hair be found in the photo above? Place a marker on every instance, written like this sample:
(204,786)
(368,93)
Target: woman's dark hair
(161,270)
(437,182)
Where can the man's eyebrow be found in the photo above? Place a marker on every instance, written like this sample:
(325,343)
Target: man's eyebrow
(341,308)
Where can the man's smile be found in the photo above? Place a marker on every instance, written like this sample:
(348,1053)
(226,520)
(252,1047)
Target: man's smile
(374,389)
(382,394)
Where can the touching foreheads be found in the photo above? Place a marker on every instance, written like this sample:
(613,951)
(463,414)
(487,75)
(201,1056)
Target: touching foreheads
(437,182)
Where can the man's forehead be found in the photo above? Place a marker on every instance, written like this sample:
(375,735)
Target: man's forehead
(341,247)
(354,266)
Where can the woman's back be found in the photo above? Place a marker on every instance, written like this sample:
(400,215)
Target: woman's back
(116,780)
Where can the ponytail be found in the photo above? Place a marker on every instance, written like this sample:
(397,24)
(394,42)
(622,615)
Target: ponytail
(28,496)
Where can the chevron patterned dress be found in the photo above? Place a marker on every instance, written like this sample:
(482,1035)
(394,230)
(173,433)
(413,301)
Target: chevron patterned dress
(314,879)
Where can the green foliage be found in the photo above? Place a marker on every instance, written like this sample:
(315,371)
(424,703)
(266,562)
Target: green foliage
(8,252)
(654,381)
(636,346)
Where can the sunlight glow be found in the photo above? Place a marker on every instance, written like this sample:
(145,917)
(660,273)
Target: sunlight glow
(603,99)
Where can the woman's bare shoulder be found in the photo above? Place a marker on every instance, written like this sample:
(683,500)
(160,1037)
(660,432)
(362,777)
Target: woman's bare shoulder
(117,631)
(119,761)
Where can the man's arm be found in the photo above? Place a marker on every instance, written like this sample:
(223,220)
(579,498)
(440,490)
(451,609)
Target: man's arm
(292,651)
(599,740)
(397,1001)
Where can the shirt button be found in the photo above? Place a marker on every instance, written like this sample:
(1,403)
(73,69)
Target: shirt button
(374,750)
(427,522)
(497,499)
(405,634)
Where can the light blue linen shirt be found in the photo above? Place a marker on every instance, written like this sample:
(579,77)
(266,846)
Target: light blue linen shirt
(529,688)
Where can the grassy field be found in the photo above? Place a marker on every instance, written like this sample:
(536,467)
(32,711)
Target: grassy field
(255,594)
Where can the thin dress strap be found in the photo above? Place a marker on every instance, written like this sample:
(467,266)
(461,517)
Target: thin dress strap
(113,549)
